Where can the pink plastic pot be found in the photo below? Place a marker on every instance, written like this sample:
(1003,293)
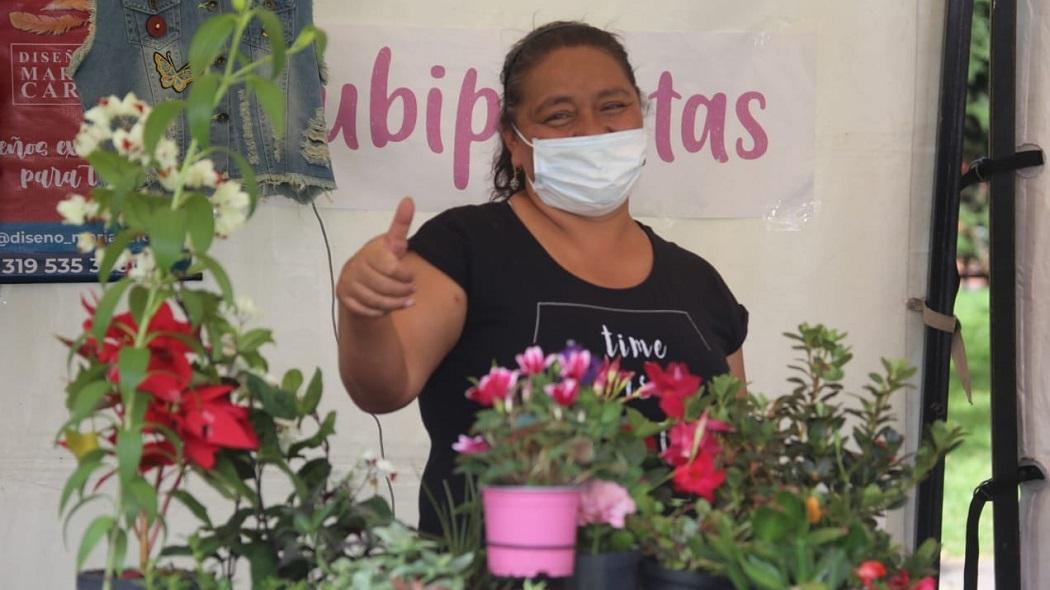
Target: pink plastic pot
(530,531)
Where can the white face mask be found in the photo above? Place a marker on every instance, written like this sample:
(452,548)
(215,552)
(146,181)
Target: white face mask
(589,175)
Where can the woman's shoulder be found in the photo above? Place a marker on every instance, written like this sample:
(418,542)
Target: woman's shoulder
(677,256)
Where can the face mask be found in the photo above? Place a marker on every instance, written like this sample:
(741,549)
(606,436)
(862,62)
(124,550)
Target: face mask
(588,175)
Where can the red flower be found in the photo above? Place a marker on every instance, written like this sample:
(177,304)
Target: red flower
(498,384)
(156,454)
(672,386)
(927,583)
(900,581)
(208,421)
(699,476)
(564,393)
(682,439)
(869,571)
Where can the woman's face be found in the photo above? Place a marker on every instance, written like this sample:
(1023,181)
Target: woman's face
(572,91)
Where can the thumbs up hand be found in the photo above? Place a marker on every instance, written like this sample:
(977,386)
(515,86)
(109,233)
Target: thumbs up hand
(375,281)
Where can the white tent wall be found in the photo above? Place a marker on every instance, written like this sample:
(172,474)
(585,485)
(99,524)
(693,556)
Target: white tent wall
(852,266)
(1033,283)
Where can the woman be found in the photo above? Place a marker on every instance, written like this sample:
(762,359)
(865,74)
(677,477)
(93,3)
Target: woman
(555,257)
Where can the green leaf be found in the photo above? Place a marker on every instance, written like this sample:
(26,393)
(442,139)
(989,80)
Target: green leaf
(272,25)
(89,463)
(253,339)
(120,548)
(132,365)
(167,237)
(106,306)
(292,381)
(276,402)
(200,106)
(271,98)
(145,497)
(210,41)
(312,397)
(115,170)
(262,561)
(95,531)
(129,455)
(769,525)
(200,222)
(137,302)
(193,505)
(86,401)
(112,253)
(326,429)
(306,36)
(159,120)
(220,276)
(765,575)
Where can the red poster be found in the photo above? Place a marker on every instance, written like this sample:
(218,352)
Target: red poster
(40,114)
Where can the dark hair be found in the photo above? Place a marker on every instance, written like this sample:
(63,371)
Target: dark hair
(521,58)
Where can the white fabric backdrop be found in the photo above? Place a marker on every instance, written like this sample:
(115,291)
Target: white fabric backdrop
(852,265)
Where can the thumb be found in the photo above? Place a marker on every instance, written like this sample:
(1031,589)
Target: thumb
(397,235)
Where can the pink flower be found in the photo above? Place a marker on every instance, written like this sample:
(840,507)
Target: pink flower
(682,438)
(532,361)
(900,581)
(927,583)
(672,386)
(496,385)
(574,363)
(565,392)
(869,571)
(604,502)
(611,380)
(470,445)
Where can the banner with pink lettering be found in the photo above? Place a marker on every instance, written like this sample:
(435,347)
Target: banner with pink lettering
(413,111)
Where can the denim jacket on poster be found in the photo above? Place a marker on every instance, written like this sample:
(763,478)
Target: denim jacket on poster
(142,46)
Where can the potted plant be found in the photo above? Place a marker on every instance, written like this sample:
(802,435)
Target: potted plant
(781,495)
(547,430)
(174,386)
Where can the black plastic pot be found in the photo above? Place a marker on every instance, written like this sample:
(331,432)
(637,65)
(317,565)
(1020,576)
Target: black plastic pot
(655,577)
(94,580)
(605,571)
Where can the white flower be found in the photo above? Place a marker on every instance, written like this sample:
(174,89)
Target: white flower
(86,242)
(130,143)
(246,308)
(90,137)
(369,456)
(231,207)
(142,265)
(122,260)
(166,155)
(131,106)
(202,173)
(288,433)
(386,469)
(76,210)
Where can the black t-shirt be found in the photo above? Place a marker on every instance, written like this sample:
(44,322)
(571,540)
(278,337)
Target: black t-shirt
(517,296)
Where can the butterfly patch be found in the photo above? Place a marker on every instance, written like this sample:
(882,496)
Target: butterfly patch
(170,77)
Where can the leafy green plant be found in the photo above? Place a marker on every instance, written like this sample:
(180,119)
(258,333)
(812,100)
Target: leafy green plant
(792,500)
(176,386)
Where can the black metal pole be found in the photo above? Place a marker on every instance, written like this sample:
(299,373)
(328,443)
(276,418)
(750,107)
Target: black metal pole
(1002,295)
(943,278)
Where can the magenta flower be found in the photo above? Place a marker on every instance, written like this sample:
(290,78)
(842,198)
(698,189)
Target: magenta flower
(565,392)
(532,361)
(682,438)
(604,502)
(470,445)
(498,384)
(574,363)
